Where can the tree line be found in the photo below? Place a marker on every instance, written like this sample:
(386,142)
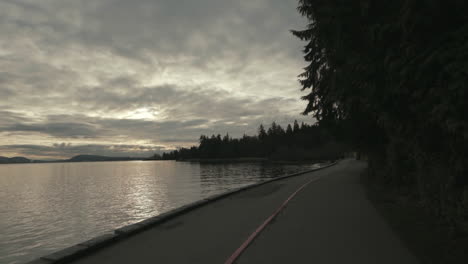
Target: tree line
(296,142)
(390,77)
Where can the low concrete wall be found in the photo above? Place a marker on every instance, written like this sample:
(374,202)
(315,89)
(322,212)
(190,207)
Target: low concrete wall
(87,247)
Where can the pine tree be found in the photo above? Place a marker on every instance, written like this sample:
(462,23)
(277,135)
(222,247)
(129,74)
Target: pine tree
(261,133)
(295,126)
(289,130)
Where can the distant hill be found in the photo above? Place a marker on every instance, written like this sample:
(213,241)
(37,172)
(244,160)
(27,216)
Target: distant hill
(79,158)
(5,160)
(83,158)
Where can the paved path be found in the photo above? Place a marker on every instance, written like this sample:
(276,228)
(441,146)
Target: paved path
(330,221)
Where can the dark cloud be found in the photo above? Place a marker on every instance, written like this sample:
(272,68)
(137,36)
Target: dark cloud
(59,130)
(10,118)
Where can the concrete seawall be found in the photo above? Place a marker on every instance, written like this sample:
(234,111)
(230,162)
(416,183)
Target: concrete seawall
(88,247)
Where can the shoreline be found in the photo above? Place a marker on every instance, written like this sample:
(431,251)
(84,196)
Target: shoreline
(247,159)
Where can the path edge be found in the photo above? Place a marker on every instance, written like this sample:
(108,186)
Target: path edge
(84,248)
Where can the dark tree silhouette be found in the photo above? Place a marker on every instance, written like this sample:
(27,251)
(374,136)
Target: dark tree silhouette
(390,78)
(305,143)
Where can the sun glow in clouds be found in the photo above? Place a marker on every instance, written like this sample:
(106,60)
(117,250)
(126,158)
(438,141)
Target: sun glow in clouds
(143,113)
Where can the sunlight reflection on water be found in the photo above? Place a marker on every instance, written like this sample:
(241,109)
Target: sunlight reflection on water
(46,207)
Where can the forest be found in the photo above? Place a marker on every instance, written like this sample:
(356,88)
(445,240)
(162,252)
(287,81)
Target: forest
(295,143)
(391,78)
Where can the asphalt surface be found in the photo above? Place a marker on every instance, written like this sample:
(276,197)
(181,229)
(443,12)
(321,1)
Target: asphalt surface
(329,221)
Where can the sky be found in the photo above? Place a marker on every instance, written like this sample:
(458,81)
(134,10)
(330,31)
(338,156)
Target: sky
(133,78)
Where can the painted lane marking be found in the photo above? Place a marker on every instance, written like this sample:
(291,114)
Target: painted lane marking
(247,242)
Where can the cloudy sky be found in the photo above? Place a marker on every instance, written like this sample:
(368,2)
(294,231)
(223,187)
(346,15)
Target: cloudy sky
(120,77)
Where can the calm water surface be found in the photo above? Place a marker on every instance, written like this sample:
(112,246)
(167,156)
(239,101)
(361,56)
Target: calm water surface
(46,207)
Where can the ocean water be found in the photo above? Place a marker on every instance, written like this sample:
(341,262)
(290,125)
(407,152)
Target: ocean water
(46,207)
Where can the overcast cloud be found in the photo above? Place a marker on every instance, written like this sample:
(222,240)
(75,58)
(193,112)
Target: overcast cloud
(119,77)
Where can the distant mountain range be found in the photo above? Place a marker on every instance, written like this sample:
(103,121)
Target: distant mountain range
(79,158)
(14,160)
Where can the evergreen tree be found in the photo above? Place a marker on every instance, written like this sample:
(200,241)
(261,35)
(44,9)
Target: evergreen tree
(295,126)
(289,130)
(262,133)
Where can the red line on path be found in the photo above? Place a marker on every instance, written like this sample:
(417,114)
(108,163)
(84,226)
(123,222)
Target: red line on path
(259,229)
